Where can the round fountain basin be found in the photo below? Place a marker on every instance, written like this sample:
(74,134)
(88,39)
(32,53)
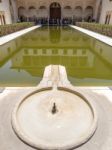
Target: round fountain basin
(54,119)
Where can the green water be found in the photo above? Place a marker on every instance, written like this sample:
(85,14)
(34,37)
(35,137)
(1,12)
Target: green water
(88,62)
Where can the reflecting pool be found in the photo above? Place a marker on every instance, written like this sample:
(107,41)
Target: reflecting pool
(88,62)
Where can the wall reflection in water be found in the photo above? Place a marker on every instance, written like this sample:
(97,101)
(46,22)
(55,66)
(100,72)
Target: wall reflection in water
(88,61)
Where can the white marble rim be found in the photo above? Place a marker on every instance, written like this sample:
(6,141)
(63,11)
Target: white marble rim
(27,140)
(105,39)
(12,36)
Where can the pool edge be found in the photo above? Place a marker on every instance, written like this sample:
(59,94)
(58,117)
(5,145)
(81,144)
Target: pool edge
(100,37)
(12,36)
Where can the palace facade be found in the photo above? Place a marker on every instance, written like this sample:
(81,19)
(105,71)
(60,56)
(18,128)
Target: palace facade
(75,10)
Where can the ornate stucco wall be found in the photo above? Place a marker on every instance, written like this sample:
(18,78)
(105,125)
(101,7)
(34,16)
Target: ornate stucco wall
(69,8)
(106,10)
(79,10)
(8,11)
(5,11)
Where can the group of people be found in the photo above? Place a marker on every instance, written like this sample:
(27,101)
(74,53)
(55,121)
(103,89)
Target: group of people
(51,21)
(46,21)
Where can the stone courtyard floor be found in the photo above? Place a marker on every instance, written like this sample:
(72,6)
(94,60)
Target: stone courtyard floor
(101,140)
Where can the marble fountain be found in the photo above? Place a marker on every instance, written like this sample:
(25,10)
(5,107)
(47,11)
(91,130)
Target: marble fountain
(55,115)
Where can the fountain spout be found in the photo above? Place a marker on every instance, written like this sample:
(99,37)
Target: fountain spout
(54,109)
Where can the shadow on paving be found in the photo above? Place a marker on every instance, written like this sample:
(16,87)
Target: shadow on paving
(1,90)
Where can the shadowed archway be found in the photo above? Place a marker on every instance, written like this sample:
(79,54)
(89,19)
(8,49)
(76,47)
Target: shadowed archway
(55,11)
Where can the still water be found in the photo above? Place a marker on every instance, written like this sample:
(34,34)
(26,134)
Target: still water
(88,62)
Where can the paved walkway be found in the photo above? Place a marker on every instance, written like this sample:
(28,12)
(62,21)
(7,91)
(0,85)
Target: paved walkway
(100,37)
(14,35)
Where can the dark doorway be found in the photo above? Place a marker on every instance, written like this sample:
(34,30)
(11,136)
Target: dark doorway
(55,11)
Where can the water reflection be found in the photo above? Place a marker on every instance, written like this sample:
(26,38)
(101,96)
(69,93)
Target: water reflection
(55,34)
(88,61)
